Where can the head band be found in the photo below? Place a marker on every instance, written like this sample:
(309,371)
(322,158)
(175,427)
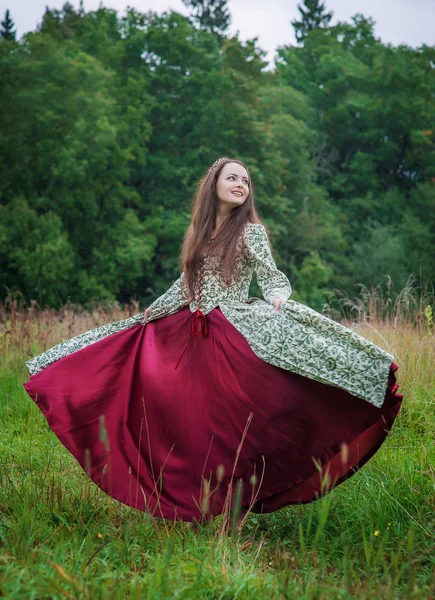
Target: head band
(216,163)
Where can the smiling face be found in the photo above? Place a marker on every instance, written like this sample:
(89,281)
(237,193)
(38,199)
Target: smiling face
(232,187)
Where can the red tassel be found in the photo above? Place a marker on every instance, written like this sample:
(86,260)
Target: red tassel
(199,325)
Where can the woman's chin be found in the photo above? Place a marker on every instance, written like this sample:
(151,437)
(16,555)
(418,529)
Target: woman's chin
(235,203)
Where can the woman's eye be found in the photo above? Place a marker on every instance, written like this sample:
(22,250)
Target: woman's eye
(245,181)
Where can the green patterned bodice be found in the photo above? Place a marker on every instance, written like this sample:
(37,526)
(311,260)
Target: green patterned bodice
(254,256)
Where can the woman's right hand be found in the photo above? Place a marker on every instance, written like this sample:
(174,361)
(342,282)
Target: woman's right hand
(145,315)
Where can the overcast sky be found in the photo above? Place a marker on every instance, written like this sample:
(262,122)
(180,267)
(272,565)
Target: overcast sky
(397,21)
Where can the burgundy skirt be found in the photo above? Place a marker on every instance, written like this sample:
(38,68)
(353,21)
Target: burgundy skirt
(186,427)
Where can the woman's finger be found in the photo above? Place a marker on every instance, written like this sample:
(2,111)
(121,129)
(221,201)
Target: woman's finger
(277,304)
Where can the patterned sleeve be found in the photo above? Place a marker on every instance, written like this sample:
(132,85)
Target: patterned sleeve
(168,303)
(273,283)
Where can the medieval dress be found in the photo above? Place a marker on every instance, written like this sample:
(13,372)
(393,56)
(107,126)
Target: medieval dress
(220,397)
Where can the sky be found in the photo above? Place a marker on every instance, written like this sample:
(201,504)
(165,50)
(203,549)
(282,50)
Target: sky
(409,22)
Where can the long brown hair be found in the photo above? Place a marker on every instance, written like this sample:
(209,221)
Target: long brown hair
(204,211)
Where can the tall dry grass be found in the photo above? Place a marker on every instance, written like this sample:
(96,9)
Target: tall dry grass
(373,312)
(27,329)
(402,323)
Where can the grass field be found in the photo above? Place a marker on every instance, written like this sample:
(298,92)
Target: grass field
(371,537)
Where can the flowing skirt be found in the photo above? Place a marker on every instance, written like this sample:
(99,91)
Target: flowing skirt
(186,427)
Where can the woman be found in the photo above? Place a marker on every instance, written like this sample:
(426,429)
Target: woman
(213,400)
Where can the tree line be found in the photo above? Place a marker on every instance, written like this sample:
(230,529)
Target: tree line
(107,121)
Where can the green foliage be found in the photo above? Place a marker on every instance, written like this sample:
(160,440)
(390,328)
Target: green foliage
(7,31)
(378,255)
(312,279)
(108,121)
(210,15)
(73,156)
(36,253)
(313,16)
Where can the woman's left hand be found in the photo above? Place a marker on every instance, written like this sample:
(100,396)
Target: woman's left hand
(277,304)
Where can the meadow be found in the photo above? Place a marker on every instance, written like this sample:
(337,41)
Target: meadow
(371,537)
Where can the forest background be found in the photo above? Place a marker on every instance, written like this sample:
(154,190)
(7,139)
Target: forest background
(107,122)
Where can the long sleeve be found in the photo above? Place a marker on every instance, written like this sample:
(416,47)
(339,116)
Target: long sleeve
(273,283)
(169,302)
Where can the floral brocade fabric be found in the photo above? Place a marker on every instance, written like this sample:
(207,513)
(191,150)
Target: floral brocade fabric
(297,338)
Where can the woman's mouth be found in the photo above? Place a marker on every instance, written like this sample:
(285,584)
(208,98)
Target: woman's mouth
(238,194)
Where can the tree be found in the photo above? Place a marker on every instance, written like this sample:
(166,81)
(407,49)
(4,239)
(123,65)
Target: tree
(210,15)
(123,114)
(7,31)
(68,171)
(313,17)
(62,24)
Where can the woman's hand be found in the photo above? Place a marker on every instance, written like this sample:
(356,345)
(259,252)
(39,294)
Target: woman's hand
(277,304)
(145,315)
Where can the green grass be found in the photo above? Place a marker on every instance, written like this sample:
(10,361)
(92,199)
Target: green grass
(372,537)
